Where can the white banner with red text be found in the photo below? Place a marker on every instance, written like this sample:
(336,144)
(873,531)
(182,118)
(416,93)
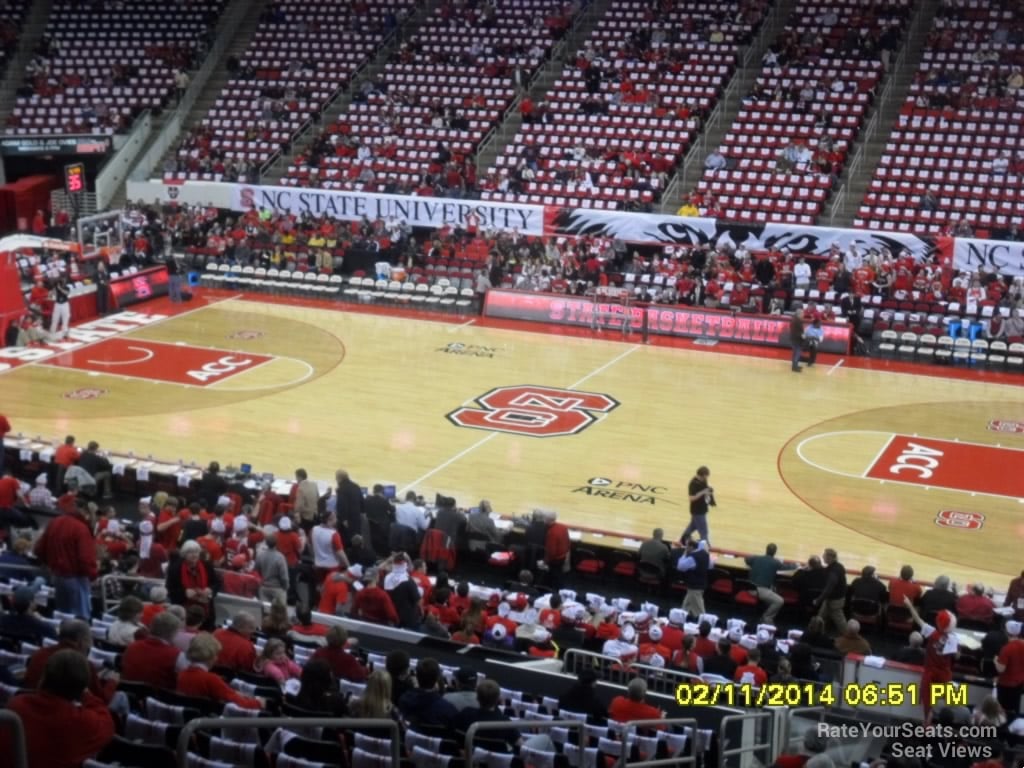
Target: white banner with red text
(639,228)
(999,256)
(434,212)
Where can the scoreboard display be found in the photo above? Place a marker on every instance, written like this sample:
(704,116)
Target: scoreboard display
(74,178)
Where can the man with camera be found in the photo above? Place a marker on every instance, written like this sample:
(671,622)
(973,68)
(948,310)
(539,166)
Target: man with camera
(702,496)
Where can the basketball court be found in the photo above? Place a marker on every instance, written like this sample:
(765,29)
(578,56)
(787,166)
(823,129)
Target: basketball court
(886,466)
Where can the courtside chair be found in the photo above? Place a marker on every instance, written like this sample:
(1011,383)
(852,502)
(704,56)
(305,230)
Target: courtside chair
(997,354)
(944,350)
(926,348)
(908,345)
(979,352)
(887,345)
(1015,357)
(961,351)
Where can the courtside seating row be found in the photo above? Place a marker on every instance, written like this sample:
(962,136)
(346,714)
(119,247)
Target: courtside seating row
(327,34)
(86,39)
(951,143)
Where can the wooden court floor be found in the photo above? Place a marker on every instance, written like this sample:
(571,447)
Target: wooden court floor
(888,468)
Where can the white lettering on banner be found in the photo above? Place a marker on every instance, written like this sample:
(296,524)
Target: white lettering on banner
(26,354)
(974,255)
(919,459)
(218,368)
(346,205)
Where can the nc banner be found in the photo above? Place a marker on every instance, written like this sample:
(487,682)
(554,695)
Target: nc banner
(433,212)
(974,255)
(655,228)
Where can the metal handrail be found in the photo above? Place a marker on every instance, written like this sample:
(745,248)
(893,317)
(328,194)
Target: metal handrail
(627,671)
(787,733)
(688,722)
(724,753)
(244,723)
(10,719)
(515,725)
(121,579)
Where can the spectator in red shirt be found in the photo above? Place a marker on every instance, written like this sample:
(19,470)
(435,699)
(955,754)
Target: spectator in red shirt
(69,551)
(154,660)
(63,701)
(904,586)
(343,664)
(10,492)
(556,549)
(237,651)
(168,522)
(751,672)
(632,706)
(66,454)
(704,646)
(976,605)
(192,580)
(374,604)
(76,636)
(335,595)
(197,679)
(5,428)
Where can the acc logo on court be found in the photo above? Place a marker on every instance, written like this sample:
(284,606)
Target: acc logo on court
(534,411)
(965,521)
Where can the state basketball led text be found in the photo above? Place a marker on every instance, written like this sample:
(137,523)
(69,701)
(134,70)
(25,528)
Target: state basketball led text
(87,333)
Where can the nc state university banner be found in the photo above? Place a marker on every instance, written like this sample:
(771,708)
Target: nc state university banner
(974,255)
(655,228)
(433,212)
(680,322)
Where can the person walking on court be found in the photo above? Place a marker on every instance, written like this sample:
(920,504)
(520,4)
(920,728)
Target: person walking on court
(796,339)
(702,496)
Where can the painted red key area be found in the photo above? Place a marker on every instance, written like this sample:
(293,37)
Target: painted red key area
(948,464)
(159,361)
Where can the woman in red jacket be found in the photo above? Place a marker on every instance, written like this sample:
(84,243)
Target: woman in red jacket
(197,679)
(62,700)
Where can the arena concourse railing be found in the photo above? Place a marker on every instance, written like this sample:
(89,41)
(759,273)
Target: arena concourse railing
(751,743)
(517,725)
(612,670)
(785,733)
(10,721)
(246,723)
(681,759)
(111,597)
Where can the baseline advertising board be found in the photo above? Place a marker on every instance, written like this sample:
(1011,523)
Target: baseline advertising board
(663,320)
(139,286)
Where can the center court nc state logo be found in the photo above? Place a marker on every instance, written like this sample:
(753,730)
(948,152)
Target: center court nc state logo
(534,411)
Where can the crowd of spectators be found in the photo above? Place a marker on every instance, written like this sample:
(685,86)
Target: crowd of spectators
(355,555)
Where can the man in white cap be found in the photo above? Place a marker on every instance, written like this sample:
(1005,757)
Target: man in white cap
(40,497)
(1010,665)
